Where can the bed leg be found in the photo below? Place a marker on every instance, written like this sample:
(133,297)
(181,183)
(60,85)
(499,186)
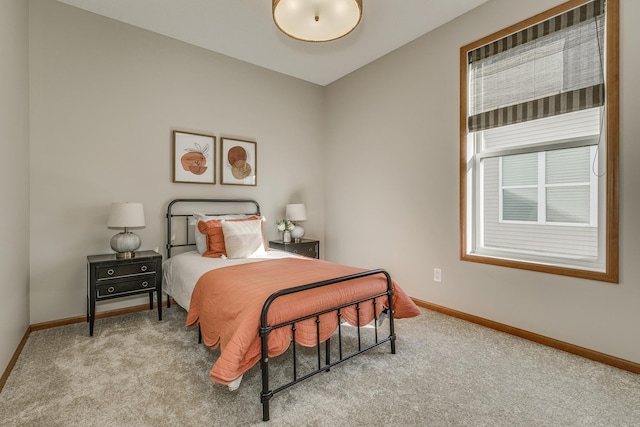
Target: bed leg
(199,334)
(265,405)
(168,301)
(327,353)
(392,332)
(265,394)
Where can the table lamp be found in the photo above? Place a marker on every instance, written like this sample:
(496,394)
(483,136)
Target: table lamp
(295,213)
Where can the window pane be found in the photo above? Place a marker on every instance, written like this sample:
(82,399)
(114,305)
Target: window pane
(568,166)
(568,204)
(520,204)
(520,169)
(516,229)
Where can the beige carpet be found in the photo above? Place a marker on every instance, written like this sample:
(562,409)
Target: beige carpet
(137,371)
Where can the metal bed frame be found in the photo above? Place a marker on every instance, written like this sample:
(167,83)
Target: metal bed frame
(265,329)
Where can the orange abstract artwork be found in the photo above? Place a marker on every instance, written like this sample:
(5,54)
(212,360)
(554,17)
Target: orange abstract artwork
(240,168)
(195,160)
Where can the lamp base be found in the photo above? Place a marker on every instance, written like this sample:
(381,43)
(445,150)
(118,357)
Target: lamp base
(125,255)
(125,244)
(297,233)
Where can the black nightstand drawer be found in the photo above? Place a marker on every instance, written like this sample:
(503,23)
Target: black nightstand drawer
(110,288)
(105,272)
(306,247)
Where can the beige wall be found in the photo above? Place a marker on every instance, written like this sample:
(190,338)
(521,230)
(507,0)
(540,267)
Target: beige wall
(14,176)
(392,194)
(105,97)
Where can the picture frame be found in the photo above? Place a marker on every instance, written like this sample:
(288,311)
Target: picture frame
(194,158)
(238,162)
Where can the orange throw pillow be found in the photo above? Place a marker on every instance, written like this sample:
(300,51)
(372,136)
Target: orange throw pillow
(215,238)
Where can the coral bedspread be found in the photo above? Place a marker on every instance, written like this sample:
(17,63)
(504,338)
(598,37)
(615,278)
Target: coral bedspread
(227,303)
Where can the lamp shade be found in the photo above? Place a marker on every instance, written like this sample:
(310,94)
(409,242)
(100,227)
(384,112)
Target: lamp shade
(316,21)
(296,212)
(126,215)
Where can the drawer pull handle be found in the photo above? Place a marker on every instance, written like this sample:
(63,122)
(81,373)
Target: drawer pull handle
(143,268)
(110,272)
(145,284)
(111,289)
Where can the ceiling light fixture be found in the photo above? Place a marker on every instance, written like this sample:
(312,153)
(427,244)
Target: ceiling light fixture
(317,20)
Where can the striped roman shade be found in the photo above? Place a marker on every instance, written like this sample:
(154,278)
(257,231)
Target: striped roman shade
(553,67)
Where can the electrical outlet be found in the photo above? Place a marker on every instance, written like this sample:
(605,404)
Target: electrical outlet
(437,275)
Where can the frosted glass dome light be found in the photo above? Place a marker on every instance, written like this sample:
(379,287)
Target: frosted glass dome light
(316,20)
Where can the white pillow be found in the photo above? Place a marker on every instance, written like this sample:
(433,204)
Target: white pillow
(243,239)
(201,239)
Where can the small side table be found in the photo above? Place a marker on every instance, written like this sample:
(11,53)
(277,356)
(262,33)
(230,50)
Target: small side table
(307,247)
(108,277)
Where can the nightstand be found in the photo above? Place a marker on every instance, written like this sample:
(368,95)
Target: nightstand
(307,247)
(108,277)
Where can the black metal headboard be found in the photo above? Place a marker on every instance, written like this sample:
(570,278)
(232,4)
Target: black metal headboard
(182,211)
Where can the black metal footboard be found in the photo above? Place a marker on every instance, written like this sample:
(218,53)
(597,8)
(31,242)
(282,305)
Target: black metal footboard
(265,329)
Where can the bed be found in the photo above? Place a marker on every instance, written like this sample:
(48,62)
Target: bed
(256,303)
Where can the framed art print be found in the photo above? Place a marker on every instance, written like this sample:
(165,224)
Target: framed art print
(238,162)
(194,158)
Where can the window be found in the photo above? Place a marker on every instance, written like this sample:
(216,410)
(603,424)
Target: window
(539,143)
(548,187)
